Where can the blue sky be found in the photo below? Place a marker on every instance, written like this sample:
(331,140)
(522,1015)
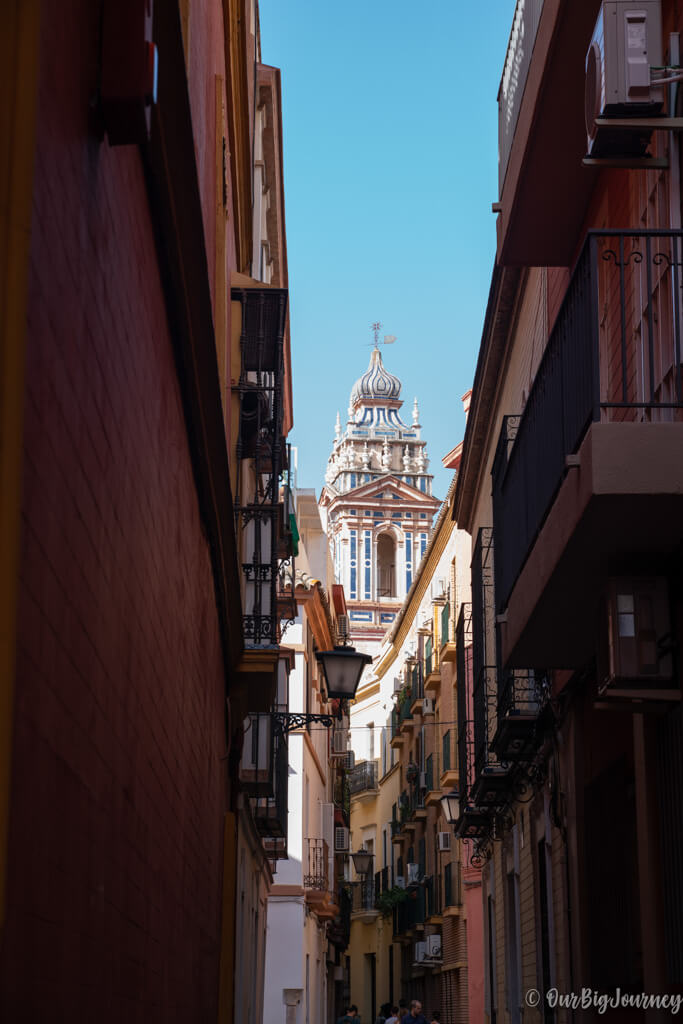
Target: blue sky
(391,166)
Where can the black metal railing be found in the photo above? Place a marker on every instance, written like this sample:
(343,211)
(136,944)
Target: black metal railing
(258,502)
(416,682)
(429,773)
(484,653)
(522,691)
(464,686)
(342,793)
(270,812)
(452,891)
(363,896)
(433,901)
(429,657)
(339,930)
(411,912)
(446,751)
(316,862)
(363,777)
(614,354)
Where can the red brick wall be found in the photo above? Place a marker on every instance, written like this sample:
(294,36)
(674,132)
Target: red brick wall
(118,790)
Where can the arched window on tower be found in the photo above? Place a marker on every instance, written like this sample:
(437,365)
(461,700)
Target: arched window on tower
(386,565)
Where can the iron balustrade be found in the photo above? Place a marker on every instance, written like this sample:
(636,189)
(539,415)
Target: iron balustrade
(270,812)
(484,654)
(433,902)
(446,751)
(429,773)
(363,896)
(316,875)
(429,656)
(464,684)
(452,890)
(613,355)
(522,691)
(363,777)
(412,911)
(262,519)
(416,682)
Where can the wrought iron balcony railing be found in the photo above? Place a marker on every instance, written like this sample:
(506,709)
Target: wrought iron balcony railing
(316,865)
(363,896)
(270,812)
(613,355)
(416,683)
(363,777)
(262,514)
(464,684)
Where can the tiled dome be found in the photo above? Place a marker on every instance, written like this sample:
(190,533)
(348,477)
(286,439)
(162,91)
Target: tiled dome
(376,382)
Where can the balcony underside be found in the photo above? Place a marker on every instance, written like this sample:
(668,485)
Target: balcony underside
(534,229)
(619,510)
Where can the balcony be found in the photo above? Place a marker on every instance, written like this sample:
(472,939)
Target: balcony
(432,682)
(589,479)
(339,929)
(432,785)
(449,773)
(363,780)
(317,880)
(433,899)
(363,902)
(523,697)
(447,650)
(452,890)
(541,152)
(410,915)
(270,809)
(416,689)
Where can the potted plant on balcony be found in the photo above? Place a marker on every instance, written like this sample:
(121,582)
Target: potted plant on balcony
(387,901)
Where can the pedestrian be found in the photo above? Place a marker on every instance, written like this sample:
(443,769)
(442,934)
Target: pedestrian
(402,1009)
(346,1018)
(436,1017)
(394,1018)
(353,1010)
(415,1016)
(381,1017)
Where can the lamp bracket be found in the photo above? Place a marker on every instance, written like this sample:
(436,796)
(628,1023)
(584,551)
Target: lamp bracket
(288,721)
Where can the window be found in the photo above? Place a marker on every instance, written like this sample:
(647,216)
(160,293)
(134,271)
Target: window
(386,566)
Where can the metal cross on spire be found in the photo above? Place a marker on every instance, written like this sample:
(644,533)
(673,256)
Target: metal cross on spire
(376,328)
(388,339)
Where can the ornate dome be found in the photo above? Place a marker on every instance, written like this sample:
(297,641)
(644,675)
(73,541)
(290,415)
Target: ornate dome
(376,382)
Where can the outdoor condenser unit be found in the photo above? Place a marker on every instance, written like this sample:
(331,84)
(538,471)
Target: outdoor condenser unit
(626,44)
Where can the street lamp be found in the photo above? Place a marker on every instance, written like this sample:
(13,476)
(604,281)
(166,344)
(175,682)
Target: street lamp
(450,806)
(362,859)
(342,667)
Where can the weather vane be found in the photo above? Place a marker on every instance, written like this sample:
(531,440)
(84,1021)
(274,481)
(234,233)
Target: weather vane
(388,339)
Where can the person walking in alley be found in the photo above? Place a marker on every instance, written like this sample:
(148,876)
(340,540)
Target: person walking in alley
(415,1016)
(393,1017)
(347,1018)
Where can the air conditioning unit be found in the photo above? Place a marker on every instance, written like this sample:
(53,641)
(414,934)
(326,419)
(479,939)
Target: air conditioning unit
(423,780)
(413,874)
(439,589)
(341,839)
(444,841)
(400,882)
(420,952)
(638,635)
(428,706)
(434,947)
(626,44)
(398,684)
